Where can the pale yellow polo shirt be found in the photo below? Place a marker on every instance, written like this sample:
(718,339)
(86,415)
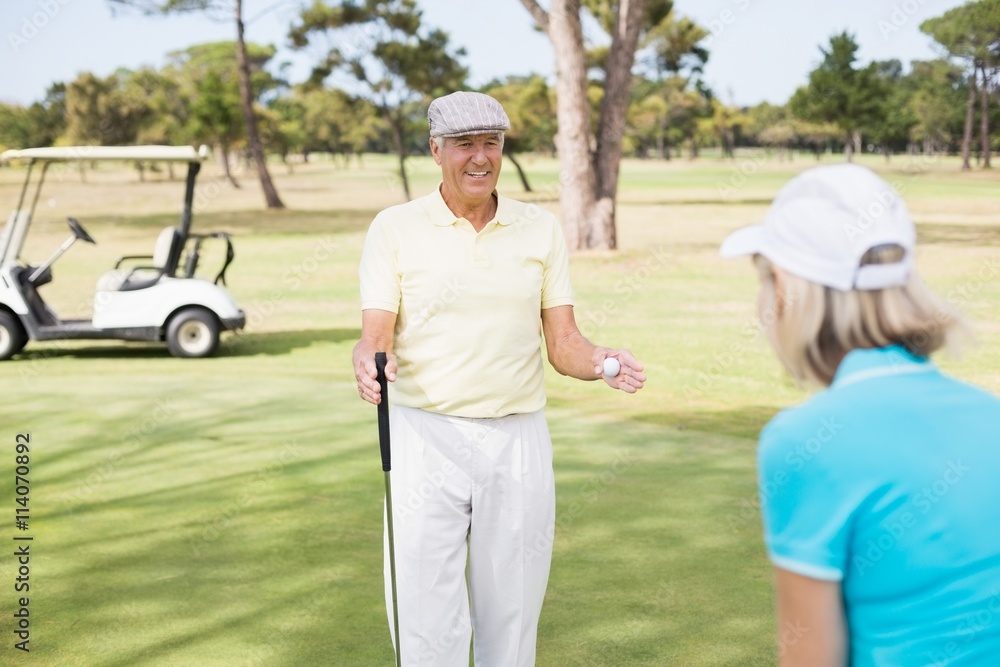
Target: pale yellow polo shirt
(468,328)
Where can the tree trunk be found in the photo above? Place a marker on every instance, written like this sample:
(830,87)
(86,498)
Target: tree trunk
(225,167)
(577,178)
(589,176)
(856,137)
(520,172)
(614,110)
(402,175)
(885,151)
(985,122)
(969,115)
(246,99)
(849,148)
(396,127)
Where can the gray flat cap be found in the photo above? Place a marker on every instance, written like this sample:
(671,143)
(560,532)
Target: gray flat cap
(465,113)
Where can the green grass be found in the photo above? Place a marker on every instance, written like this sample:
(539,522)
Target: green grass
(228,511)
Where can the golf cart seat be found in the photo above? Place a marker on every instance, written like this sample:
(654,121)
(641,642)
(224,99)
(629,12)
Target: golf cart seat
(162,262)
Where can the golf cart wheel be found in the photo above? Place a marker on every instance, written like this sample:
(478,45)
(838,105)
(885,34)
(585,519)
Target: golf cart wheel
(12,336)
(193,333)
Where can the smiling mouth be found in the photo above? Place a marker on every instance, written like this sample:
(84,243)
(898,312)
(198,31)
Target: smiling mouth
(477,174)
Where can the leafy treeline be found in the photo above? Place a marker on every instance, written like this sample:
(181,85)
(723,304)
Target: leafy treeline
(389,65)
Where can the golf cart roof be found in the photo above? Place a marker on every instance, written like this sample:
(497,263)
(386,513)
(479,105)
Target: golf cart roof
(88,153)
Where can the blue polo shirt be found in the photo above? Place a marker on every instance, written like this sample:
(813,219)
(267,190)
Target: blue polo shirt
(889,482)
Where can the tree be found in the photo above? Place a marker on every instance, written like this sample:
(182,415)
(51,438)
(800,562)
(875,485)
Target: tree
(590,159)
(104,111)
(38,125)
(339,123)
(675,46)
(817,136)
(647,124)
(168,118)
(215,117)
(937,102)
(209,81)
(15,127)
(47,119)
(400,65)
(285,119)
(235,11)
(891,127)
(841,94)
(589,177)
(722,125)
(529,104)
(781,135)
(971,33)
(670,108)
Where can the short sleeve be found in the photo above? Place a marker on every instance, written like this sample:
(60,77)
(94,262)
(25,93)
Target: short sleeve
(378,272)
(806,511)
(556,287)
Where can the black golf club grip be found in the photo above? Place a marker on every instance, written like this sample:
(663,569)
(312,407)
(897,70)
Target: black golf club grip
(383,411)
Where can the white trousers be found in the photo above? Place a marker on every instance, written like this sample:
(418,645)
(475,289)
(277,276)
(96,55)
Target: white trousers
(477,487)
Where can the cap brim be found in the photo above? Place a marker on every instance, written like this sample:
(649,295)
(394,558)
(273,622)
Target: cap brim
(743,242)
(472,131)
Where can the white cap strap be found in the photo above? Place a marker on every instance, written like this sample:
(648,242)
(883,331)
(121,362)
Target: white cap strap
(881,276)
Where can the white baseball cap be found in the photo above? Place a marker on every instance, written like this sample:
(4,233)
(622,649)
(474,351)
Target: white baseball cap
(823,222)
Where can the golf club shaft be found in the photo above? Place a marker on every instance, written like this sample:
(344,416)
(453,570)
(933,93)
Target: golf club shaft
(392,565)
(383,442)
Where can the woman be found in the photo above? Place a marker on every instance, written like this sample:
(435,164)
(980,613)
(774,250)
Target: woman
(881,494)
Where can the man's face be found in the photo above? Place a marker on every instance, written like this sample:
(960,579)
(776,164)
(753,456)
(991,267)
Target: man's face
(470,165)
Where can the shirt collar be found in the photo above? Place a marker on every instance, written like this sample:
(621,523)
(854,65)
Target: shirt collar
(861,365)
(442,216)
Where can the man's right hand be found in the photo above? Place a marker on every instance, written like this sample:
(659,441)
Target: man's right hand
(367,375)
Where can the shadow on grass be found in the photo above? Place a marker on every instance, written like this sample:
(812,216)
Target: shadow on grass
(255,222)
(245,557)
(230,563)
(232,345)
(669,202)
(743,422)
(282,342)
(702,202)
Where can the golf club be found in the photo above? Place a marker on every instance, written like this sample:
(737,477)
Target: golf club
(383,443)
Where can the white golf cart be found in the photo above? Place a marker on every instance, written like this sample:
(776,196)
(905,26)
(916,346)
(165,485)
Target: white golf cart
(144,298)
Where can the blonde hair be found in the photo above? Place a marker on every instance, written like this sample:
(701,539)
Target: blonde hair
(813,327)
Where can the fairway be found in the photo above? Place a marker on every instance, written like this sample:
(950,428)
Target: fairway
(227,511)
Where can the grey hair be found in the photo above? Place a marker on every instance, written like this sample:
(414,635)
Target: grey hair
(440,140)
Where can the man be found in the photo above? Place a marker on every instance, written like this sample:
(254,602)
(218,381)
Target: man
(458,287)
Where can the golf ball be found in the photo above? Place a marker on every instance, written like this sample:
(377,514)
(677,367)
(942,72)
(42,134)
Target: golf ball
(611,367)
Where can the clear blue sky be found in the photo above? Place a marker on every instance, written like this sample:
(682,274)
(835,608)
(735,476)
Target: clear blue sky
(761,49)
